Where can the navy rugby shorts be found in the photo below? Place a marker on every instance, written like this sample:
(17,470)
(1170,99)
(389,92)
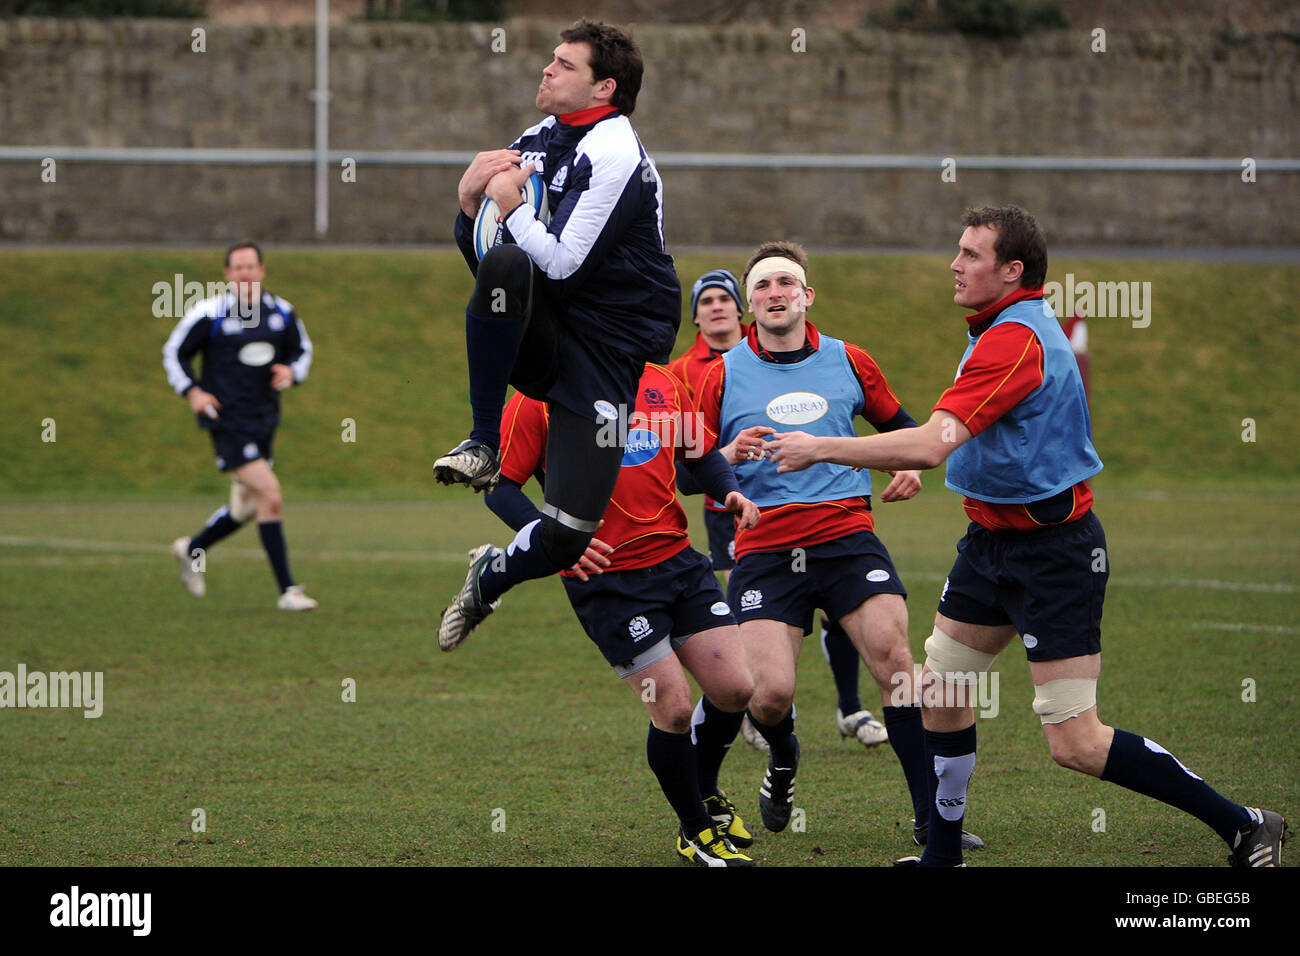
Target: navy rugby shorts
(235,448)
(638,616)
(1050,583)
(790,585)
(586,375)
(721,526)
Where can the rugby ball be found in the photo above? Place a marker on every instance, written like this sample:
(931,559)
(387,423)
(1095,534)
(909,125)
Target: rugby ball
(489,231)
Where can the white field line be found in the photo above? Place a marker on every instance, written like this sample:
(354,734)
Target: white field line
(78,544)
(459,557)
(1199,584)
(1254,628)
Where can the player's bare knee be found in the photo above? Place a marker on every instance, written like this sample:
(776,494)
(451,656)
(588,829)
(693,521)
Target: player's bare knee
(274,501)
(900,659)
(1068,754)
(1057,703)
(771,704)
(676,721)
(268,503)
(670,708)
(733,698)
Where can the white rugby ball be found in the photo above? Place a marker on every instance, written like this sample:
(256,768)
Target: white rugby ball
(489,231)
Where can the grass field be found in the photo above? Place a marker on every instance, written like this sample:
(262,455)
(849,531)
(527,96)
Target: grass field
(228,706)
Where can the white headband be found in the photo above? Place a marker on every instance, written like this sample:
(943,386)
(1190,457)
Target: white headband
(769,265)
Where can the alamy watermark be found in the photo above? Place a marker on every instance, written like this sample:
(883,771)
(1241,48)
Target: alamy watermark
(641,435)
(174,299)
(957,689)
(1102,300)
(77,689)
(75,908)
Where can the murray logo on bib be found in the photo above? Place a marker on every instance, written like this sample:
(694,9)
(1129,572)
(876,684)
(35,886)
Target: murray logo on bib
(642,446)
(797,408)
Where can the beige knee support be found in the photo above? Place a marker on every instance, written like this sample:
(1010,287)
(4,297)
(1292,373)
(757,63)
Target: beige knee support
(1059,700)
(954,662)
(242,506)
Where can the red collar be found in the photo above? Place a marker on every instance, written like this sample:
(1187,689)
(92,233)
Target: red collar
(588,115)
(991,312)
(811,340)
(705,351)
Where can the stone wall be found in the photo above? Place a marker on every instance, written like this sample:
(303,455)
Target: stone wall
(404,86)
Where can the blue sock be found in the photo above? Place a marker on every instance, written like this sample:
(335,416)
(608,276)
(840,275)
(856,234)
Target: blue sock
(713,731)
(906,736)
(844,660)
(272,533)
(779,737)
(1145,767)
(952,755)
(492,344)
(672,758)
(219,526)
(522,560)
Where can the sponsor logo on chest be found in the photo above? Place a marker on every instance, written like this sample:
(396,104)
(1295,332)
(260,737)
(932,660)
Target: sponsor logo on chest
(534,158)
(797,408)
(257,353)
(642,446)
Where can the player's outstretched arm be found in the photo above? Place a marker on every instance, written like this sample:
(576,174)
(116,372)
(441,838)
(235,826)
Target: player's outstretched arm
(905,449)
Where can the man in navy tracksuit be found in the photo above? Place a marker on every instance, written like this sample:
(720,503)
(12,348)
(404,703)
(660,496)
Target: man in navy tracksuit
(568,311)
(253,346)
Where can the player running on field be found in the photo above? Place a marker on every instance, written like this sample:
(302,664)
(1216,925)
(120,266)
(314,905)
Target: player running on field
(569,312)
(650,602)
(254,346)
(716,312)
(1015,431)
(816,545)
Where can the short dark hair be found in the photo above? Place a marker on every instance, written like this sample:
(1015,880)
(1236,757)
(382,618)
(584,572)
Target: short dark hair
(777,247)
(244,245)
(1019,238)
(614,55)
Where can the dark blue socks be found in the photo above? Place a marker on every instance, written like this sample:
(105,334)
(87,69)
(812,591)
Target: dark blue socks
(1145,767)
(492,344)
(714,731)
(522,560)
(272,534)
(906,736)
(672,758)
(952,758)
(780,737)
(219,526)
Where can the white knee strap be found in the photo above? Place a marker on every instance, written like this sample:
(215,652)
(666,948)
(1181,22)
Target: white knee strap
(1058,700)
(955,663)
(242,506)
